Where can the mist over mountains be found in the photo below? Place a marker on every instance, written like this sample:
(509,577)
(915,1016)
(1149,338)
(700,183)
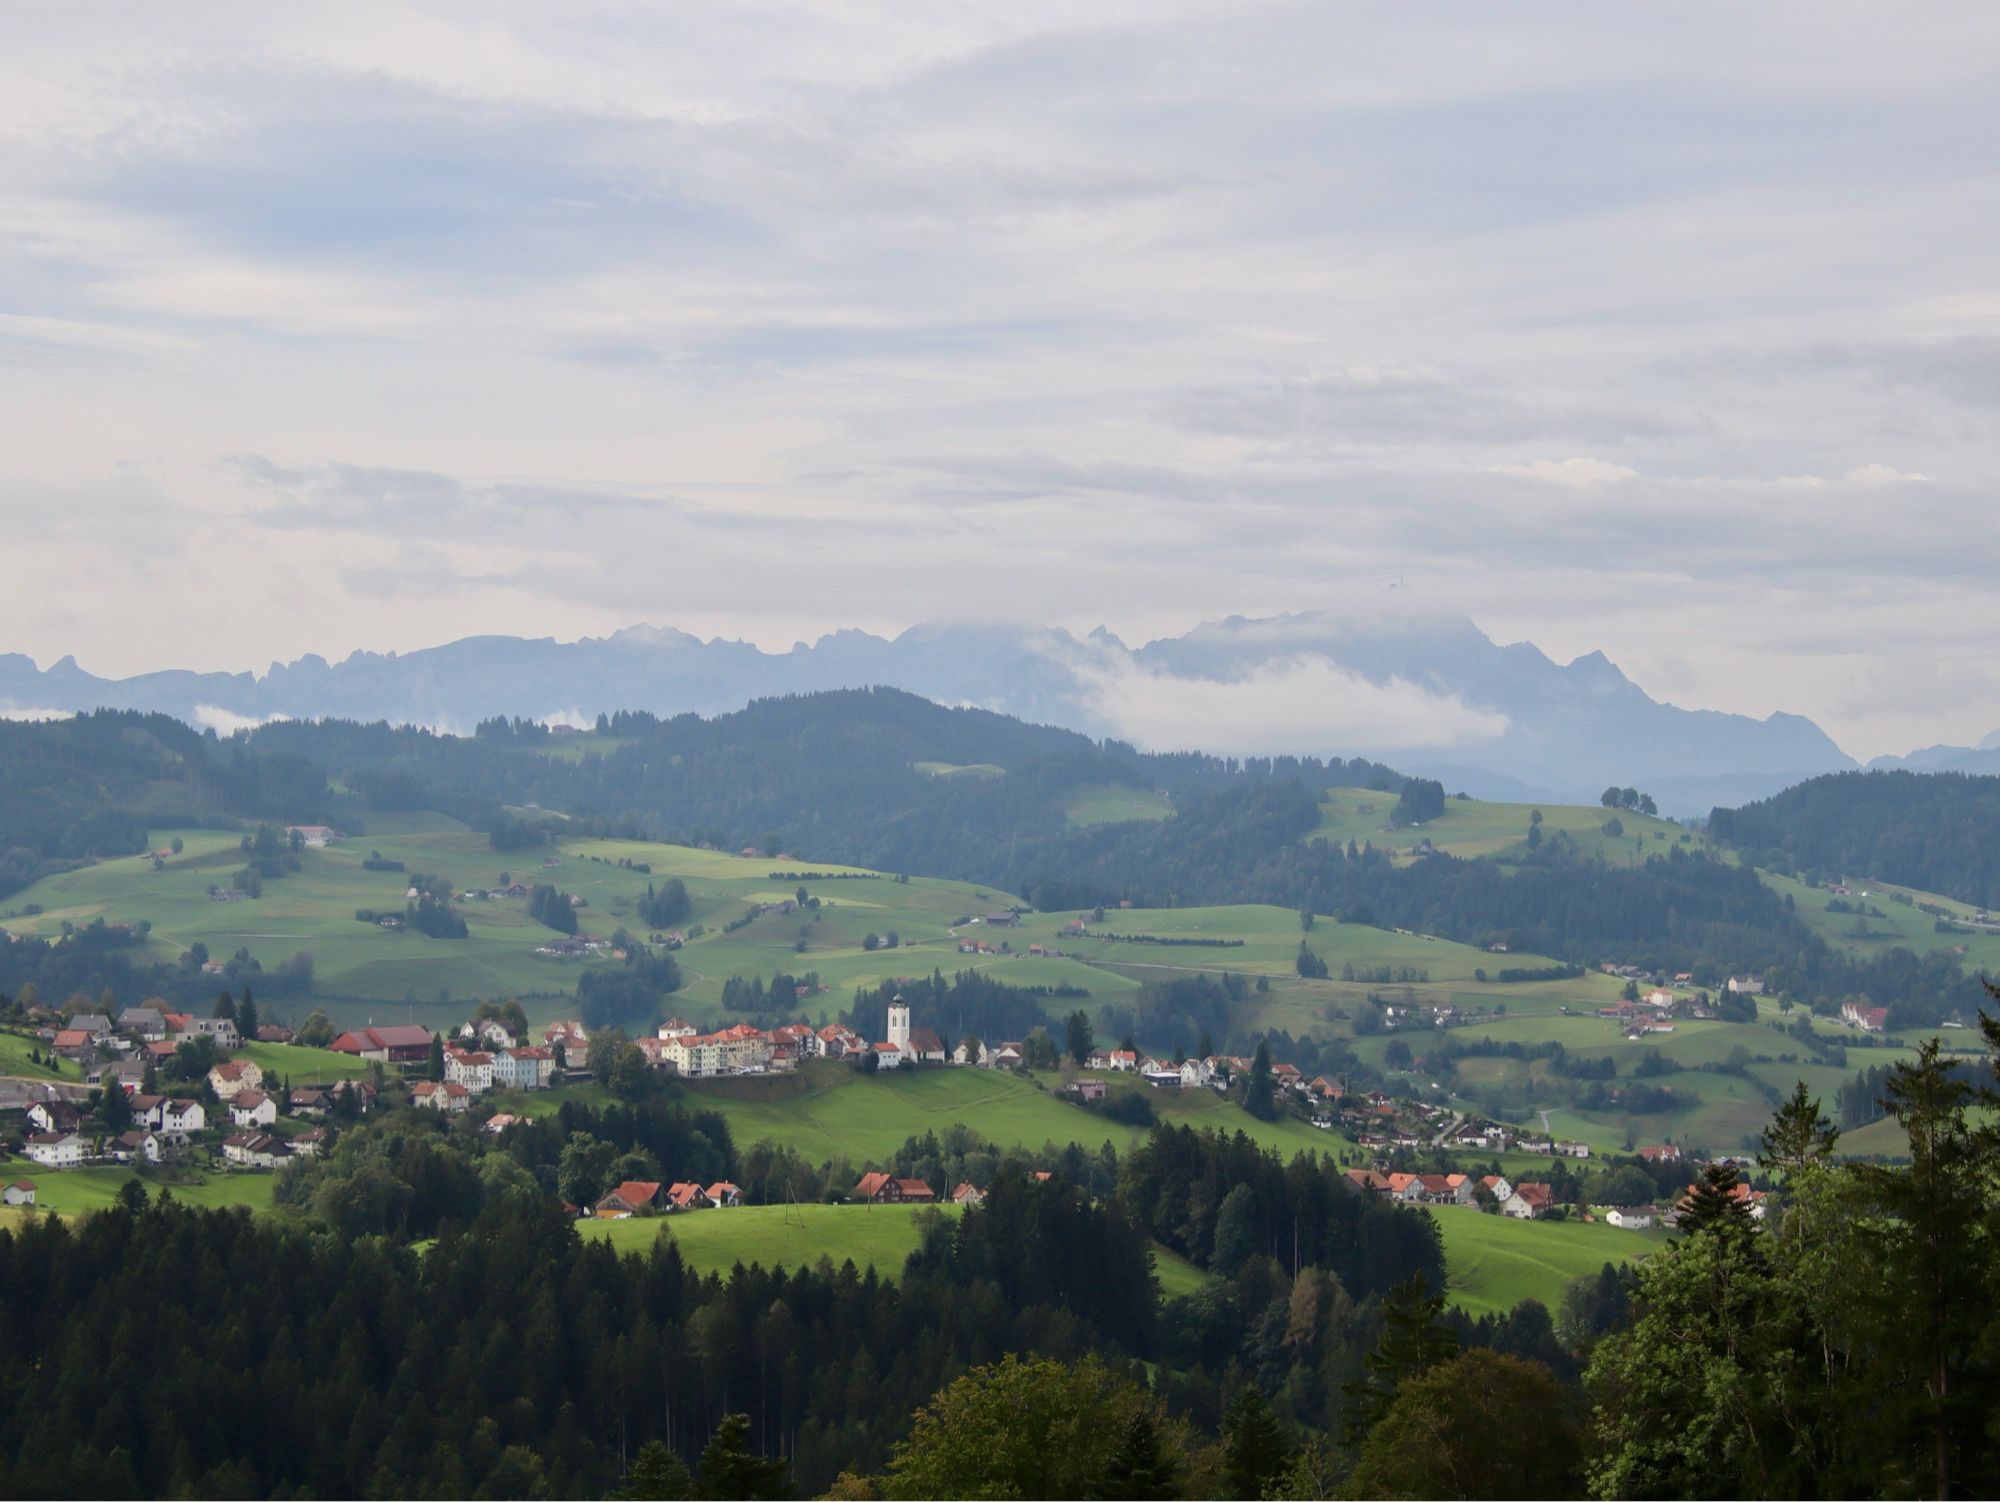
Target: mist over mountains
(1436,697)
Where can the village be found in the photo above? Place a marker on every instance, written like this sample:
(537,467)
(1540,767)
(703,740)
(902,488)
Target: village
(192,1100)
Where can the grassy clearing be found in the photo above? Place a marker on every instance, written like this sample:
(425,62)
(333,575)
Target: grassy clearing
(977,771)
(303,1066)
(829,1110)
(1473,827)
(878,1236)
(78,1191)
(14,1051)
(1493,1262)
(1102,803)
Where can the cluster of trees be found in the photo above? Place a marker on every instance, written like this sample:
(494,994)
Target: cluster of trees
(633,991)
(666,907)
(1630,799)
(552,908)
(1937,831)
(1422,800)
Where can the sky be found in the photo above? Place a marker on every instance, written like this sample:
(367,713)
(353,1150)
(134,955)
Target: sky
(1670,331)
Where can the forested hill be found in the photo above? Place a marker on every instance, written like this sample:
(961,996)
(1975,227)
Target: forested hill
(1938,831)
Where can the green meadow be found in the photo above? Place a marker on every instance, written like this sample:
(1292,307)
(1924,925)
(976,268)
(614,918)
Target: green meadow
(1472,827)
(877,1236)
(78,1191)
(1492,1262)
(829,1110)
(1102,803)
(15,1049)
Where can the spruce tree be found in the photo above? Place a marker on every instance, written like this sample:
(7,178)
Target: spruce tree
(1713,1205)
(1254,1448)
(657,1475)
(1138,1468)
(435,1071)
(1412,1343)
(730,1471)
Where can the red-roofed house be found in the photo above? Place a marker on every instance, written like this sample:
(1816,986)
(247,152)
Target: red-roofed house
(685,1196)
(629,1199)
(879,1189)
(968,1194)
(440,1095)
(723,1194)
(1670,1153)
(915,1192)
(20,1192)
(1368,1179)
(231,1079)
(405,1044)
(1529,1202)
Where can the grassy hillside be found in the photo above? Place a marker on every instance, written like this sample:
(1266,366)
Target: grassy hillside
(1102,803)
(829,1110)
(1472,827)
(77,1191)
(1492,1262)
(878,1236)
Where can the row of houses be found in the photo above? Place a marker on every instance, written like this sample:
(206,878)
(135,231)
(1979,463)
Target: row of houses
(647,1197)
(1525,1200)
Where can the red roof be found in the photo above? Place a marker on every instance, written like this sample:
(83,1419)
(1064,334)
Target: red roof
(72,1037)
(916,1189)
(1536,1194)
(638,1193)
(871,1185)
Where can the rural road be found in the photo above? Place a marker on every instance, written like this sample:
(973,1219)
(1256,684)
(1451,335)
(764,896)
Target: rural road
(1442,1137)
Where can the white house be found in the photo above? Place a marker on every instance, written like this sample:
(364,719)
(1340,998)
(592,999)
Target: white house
(1196,1072)
(255,1150)
(56,1149)
(137,1146)
(523,1068)
(473,1070)
(442,1095)
(1747,985)
(252,1108)
(20,1192)
(489,1031)
(182,1119)
(1528,1202)
(222,1029)
(1631,1218)
(887,1055)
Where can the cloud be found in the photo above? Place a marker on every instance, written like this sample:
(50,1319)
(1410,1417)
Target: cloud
(1579,474)
(228,721)
(1296,705)
(29,712)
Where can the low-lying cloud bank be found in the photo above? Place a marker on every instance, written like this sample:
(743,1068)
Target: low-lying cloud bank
(1304,706)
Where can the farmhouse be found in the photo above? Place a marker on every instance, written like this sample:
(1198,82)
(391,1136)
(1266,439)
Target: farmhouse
(968,1194)
(1631,1217)
(1667,1153)
(440,1095)
(1868,1019)
(255,1150)
(406,1044)
(686,1196)
(1528,1202)
(628,1199)
(20,1192)
(723,1195)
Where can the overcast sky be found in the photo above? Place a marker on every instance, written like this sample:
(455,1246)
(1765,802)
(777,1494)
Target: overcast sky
(1672,331)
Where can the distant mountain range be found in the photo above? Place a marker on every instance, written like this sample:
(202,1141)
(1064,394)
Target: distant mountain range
(1434,697)
(1982,759)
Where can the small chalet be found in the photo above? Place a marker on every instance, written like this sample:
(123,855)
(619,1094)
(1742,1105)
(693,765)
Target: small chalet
(274,1032)
(231,1079)
(20,1192)
(968,1194)
(1529,1202)
(916,1192)
(252,1108)
(686,1196)
(723,1194)
(630,1198)
(881,1189)
(440,1095)
(1667,1153)
(54,1116)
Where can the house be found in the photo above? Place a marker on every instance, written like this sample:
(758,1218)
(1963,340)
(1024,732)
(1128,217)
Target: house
(1161,1074)
(311,1144)
(1004,918)
(136,1147)
(53,1116)
(96,1024)
(181,1120)
(878,1189)
(965,1053)
(676,1027)
(924,1046)
(1747,985)
(1195,1073)
(916,1192)
(1087,1090)
(1368,1180)
(20,1192)
(968,1194)
(252,1108)
(56,1149)
(1529,1201)
(686,1196)
(1631,1217)
(308,1100)
(488,1031)
(1407,1188)
(499,1122)
(147,1024)
(234,1077)
(1868,1019)
(1124,1060)
(723,1194)
(222,1029)
(1496,1185)
(1438,1188)
(441,1095)
(1573,1149)
(255,1150)
(524,1068)
(1669,1153)
(405,1044)
(127,1074)
(74,1043)
(1458,1187)
(474,1070)
(274,1032)
(312,836)
(630,1198)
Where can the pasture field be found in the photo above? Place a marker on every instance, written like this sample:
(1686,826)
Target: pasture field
(1474,827)
(78,1191)
(1492,1262)
(829,1110)
(977,771)
(1102,803)
(878,1236)
(14,1051)
(1864,934)
(303,1066)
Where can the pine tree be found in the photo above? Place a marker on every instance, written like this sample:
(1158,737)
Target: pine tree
(1713,1204)
(1138,1467)
(1799,1136)
(435,1070)
(657,1475)
(225,1006)
(730,1471)
(1254,1448)
(246,1017)
(1412,1343)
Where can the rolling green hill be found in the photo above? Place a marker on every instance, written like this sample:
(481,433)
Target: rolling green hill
(1493,1262)
(1472,827)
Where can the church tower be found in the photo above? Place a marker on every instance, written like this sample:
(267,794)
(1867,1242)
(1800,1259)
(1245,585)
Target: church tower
(899,1023)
